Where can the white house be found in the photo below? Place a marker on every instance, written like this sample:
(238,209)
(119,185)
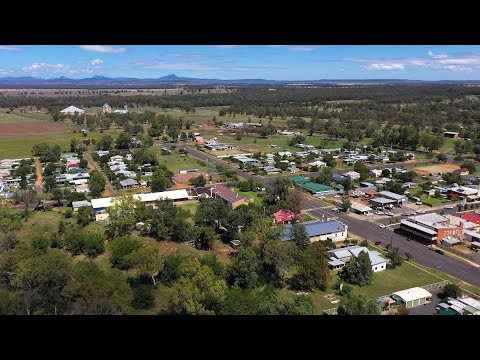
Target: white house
(376,172)
(318,163)
(321,230)
(338,258)
(353,175)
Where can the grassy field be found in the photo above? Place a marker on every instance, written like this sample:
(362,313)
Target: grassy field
(176,161)
(16,116)
(192,207)
(448,144)
(21,146)
(384,283)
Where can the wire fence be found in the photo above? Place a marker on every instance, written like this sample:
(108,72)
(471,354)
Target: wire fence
(437,285)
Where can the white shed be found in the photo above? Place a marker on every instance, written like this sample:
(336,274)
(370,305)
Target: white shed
(412,297)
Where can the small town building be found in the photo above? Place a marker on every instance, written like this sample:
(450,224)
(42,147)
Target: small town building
(72,110)
(360,208)
(451,134)
(224,193)
(473,217)
(78,204)
(285,216)
(412,297)
(432,227)
(353,175)
(106,109)
(129,184)
(272,170)
(461,171)
(399,199)
(338,258)
(320,230)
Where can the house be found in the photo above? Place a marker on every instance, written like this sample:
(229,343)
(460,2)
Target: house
(315,188)
(382,158)
(375,172)
(222,192)
(245,160)
(330,151)
(103,152)
(412,297)
(129,184)
(72,110)
(320,230)
(123,111)
(451,134)
(116,158)
(338,258)
(318,163)
(461,171)
(284,153)
(432,227)
(142,183)
(462,192)
(218,146)
(285,216)
(410,185)
(199,140)
(271,170)
(106,109)
(292,170)
(101,204)
(338,178)
(78,204)
(82,188)
(353,175)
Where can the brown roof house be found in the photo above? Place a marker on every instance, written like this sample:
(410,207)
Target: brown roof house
(220,191)
(461,171)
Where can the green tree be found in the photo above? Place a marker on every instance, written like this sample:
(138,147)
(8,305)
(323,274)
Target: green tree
(299,235)
(85,215)
(171,271)
(451,291)
(96,183)
(211,212)
(346,204)
(243,272)
(278,258)
(358,270)
(160,181)
(295,201)
(57,194)
(122,216)
(120,248)
(357,304)
(313,270)
(198,181)
(124,140)
(205,238)
(198,291)
(146,261)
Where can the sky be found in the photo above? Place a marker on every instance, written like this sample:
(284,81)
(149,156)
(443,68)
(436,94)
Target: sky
(272,62)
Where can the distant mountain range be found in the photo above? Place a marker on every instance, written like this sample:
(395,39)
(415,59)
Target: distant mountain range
(173,79)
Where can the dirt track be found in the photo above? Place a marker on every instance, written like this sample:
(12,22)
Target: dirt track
(108,191)
(39,180)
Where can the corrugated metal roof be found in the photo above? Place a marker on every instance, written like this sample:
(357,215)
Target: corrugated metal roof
(392,195)
(316,228)
(173,195)
(412,294)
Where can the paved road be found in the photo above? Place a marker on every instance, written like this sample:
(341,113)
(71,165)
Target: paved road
(419,252)
(371,231)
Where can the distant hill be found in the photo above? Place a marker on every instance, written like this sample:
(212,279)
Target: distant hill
(173,79)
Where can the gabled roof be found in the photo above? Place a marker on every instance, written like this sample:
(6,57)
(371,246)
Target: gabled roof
(128,182)
(412,294)
(72,109)
(317,228)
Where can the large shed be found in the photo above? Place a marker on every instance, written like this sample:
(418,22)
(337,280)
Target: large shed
(412,297)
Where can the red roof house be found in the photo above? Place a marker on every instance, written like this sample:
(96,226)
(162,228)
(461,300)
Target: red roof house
(285,216)
(472,217)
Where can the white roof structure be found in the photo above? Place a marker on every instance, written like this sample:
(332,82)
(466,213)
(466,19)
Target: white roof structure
(360,207)
(72,110)
(150,197)
(471,302)
(455,220)
(412,294)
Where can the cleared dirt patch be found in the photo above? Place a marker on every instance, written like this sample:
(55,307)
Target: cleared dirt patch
(436,169)
(33,128)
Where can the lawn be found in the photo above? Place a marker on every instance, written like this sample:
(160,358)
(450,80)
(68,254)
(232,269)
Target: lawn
(448,144)
(176,161)
(192,207)
(432,201)
(384,283)
(253,194)
(22,146)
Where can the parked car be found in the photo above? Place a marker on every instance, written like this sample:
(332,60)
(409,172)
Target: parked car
(382,226)
(378,242)
(448,206)
(337,196)
(441,252)
(378,212)
(335,209)
(418,203)
(420,211)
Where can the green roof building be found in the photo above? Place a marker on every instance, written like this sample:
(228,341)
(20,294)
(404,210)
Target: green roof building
(315,188)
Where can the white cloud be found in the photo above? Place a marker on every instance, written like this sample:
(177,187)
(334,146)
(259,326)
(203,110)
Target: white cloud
(103,48)
(302,48)
(437,56)
(9,48)
(225,46)
(96,62)
(181,66)
(46,69)
(384,67)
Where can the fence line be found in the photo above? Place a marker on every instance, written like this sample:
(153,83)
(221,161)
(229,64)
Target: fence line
(436,285)
(459,253)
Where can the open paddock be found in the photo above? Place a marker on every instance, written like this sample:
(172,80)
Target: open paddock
(435,169)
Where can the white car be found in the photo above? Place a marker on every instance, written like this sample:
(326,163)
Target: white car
(378,212)
(420,212)
(337,196)
(383,226)
(448,206)
(419,203)
(335,209)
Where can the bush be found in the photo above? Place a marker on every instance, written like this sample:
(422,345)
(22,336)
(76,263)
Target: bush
(143,297)
(68,213)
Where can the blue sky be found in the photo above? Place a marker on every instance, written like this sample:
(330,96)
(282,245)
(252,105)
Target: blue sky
(275,62)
